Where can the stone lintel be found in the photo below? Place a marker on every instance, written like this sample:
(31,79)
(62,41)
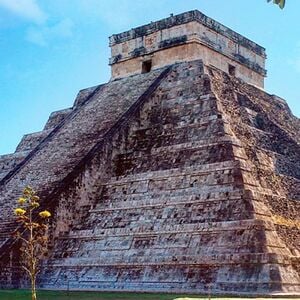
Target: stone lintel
(186,17)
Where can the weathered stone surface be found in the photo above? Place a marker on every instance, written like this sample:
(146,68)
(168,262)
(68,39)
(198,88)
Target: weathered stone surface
(56,118)
(30,141)
(185,37)
(9,161)
(182,179)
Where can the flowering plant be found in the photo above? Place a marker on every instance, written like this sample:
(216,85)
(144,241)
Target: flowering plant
(32,233)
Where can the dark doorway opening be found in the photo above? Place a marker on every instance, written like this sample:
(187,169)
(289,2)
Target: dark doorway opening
(231,70)
(146,66)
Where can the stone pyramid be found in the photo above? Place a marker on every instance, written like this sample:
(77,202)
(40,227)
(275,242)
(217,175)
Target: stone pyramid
(176,176)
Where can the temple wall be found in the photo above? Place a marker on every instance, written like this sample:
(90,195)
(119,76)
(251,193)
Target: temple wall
(203,38)
(187,52)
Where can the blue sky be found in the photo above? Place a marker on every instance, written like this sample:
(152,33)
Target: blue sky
(50,49)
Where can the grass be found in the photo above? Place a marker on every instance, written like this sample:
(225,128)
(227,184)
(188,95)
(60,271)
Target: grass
(57,295)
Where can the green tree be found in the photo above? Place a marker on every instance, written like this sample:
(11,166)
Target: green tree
(281,3)
(32,233)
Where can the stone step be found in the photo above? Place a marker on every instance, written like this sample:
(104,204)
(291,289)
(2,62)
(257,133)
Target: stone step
(169,229)
(200,153)
(161,196)
(7,228)
(200,284)
(237,241)
(164,196)
(189,185)
(201,143)
(176,197)
(168,200)
(172,172)
(184,133)
(206,101)
(173,260)
(258,131)
(168,126)
(173,213)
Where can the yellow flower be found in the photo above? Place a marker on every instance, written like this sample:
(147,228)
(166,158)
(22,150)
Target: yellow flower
(35,198)
(21,200)
(20,211)
(28,190)
(45,214)
(34,204)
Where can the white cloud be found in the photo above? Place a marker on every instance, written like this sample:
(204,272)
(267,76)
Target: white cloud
(27,9)
(42,35)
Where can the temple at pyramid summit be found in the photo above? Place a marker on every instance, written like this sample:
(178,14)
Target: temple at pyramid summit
(180,174)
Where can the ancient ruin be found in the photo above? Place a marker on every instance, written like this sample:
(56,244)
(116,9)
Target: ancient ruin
(181,174)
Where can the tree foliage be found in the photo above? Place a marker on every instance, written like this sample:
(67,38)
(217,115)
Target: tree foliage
(32,233)
(281,3)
